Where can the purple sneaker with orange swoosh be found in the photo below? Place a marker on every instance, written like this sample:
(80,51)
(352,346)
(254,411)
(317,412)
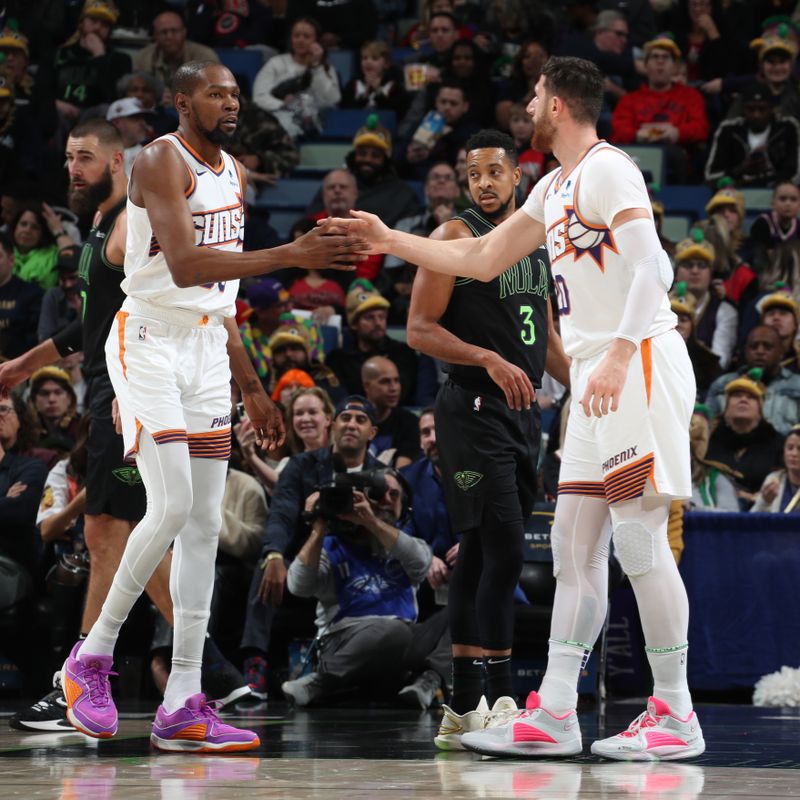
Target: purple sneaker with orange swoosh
(90,707)
(196,728)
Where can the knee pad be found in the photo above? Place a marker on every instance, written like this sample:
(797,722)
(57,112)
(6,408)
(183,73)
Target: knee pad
(634,545)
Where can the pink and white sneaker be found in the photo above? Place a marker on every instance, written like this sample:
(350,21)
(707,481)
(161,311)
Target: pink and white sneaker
(655,735)
(534,731)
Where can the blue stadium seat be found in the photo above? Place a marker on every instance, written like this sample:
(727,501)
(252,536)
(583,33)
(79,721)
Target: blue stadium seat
(419,188)
(321,157)
(289,193)
(650,158)
(342,123)
(402,54)
(243,63)
(675,227)
(688,200)
(344,62)
(283,219)
(757,199)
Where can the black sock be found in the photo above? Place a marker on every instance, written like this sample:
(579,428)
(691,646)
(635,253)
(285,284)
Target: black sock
(498,678)
(467,683)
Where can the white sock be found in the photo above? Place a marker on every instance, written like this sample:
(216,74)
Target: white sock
(559,689)
(669,676)
(182,684)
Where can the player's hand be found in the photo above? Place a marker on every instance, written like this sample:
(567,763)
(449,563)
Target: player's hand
(605,384)
(516,385)
(361,226)
(115,417)
(12,373)
(273,582)
(324,247)
(437,573)
(266,419)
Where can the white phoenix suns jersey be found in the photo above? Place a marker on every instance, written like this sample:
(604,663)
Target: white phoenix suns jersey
(215,197)
(591,279)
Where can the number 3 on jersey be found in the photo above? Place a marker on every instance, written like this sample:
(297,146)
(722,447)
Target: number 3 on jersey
(528,332)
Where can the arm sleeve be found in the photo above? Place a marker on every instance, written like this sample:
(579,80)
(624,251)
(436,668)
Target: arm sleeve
(70,339)
(638,243)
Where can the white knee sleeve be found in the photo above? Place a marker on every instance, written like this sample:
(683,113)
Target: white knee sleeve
(634,545)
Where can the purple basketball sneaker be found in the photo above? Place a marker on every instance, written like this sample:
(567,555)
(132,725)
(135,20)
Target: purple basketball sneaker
(90,707)
(197,728)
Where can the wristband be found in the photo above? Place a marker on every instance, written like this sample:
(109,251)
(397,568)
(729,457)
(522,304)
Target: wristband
(270,557)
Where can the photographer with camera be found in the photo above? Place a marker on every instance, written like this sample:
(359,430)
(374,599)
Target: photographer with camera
(353,428)
(364,570)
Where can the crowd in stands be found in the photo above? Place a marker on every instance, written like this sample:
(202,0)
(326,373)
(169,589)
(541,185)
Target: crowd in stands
(712,88)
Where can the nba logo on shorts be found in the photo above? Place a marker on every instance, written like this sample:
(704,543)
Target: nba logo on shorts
(142,332)
(476,405)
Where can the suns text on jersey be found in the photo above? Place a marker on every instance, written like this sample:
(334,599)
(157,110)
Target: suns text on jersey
(219,226)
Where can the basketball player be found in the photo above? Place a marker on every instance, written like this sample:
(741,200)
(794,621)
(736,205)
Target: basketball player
(488,447)
(115,497)
(170,355)
(626,450)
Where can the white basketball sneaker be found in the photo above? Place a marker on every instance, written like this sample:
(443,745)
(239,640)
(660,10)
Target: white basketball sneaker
(655,735)
(535,731)
(453,725)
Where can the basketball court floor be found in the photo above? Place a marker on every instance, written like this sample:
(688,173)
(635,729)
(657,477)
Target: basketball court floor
(354,754)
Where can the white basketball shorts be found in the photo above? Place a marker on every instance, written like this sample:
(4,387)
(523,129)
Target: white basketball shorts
(171,374)
(643,446)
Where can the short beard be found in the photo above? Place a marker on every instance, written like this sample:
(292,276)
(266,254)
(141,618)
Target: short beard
(501,210)
(543,135)
(85,201)
(216,135)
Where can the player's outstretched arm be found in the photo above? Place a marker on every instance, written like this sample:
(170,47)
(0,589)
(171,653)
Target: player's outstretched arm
(159,182)
(430,296)
(483,258)
(18,369)
(265,416)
